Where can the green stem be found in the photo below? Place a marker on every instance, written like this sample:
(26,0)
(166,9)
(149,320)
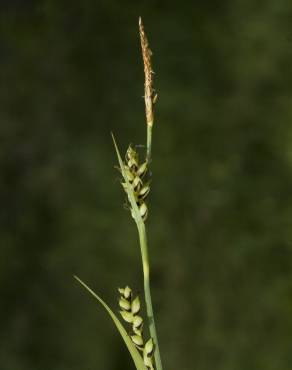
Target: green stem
(149,143)
(148,300)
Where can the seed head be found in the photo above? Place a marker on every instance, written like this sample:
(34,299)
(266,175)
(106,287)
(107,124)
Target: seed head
(130,308)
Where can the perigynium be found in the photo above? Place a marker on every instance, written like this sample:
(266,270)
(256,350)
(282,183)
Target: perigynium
(136,183)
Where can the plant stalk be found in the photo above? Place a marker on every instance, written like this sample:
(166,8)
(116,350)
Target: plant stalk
(149,143)
(147,292)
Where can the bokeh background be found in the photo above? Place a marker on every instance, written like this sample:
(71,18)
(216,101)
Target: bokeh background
(220,230)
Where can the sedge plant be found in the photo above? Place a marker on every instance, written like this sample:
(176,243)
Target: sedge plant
(136,183)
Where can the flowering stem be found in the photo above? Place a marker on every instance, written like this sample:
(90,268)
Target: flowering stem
(147,292)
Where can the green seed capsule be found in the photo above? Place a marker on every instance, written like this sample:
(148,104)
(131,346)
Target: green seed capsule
(124,304)
(137,340)
(144,191)
(143,211)
(137,183)
(137,322)
(142,170)
(149,347)
(121,291)
(127,316)
(135,306)
(127,292)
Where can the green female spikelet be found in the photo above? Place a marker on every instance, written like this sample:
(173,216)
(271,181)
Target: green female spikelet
(135,173)
(130,309)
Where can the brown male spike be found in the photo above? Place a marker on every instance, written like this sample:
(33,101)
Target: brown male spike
(149,91)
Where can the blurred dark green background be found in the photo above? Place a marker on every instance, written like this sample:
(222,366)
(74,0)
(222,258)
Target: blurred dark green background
(221,208)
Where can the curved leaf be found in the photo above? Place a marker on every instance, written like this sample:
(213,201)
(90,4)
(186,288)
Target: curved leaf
(131,347)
